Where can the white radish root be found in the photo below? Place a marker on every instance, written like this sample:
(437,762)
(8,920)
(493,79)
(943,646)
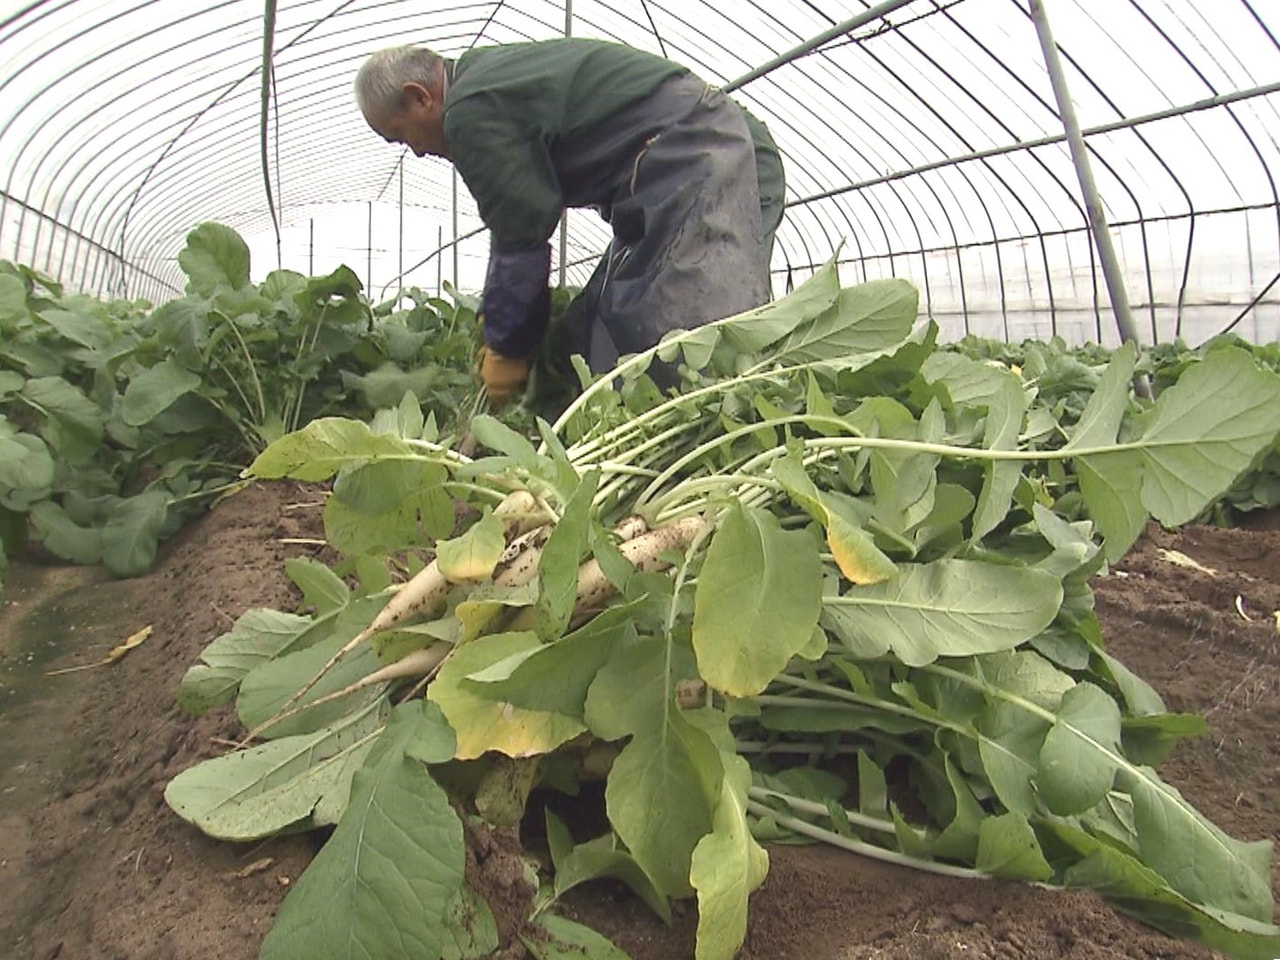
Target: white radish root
(643,552)
(424,594)
(414,664)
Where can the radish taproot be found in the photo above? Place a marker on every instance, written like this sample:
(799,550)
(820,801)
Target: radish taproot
(414,665)
(423,595)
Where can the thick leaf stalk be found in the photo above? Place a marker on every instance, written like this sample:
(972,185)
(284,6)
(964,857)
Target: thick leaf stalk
(851,542)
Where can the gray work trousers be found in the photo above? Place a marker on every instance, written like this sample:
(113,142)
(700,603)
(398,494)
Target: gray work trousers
(689,245)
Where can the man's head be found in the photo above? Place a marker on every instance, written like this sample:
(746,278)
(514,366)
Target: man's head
(400,91)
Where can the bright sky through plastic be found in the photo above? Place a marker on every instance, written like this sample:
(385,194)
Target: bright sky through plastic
(122,126)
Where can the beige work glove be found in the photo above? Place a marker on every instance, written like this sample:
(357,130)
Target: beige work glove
(502,376)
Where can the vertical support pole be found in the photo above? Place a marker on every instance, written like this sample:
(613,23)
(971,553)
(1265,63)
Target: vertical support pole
(456,284)
(400,248)
(311,247)
(439,261)
(369,249)
(1084,171)
(564,214)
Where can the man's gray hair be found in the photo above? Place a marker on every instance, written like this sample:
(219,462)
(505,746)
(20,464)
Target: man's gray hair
(382,77)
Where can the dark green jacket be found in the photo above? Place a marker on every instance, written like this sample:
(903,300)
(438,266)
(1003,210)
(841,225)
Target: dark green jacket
(534,128)
(510,110)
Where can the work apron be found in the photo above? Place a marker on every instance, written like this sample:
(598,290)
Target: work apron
(688,242)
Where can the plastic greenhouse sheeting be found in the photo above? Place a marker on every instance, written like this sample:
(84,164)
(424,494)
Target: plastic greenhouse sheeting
(922,139)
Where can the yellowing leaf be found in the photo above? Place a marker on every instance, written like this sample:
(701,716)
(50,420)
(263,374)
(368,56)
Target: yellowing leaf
(1180,559)
(116,653)
(859,559)
(484,724)
(131,642)
(473,555)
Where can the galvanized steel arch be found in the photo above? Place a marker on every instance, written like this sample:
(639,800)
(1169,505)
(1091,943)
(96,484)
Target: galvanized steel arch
(922,138)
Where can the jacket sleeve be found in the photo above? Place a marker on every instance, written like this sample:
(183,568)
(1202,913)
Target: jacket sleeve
(517,301)
(508,170)
(505,161)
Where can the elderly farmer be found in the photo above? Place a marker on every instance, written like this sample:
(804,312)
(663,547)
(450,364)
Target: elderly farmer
(689,181)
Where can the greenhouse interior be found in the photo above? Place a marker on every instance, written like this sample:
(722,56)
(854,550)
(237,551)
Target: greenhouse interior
(898,582)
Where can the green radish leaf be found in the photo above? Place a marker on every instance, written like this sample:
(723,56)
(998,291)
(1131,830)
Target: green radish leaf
(556,677)
(25,463)
(372,575)
(182,327)
(728,865)
(389,486)
(857,556)
(903,481)
(616,568)
(558,565)
(323,447)
(1141,892)
(1111,484)
(10,382)
(470,930)
(61,535)
(873,788)
(601,857)
(757,329)
(254,793)
(563,939)
(131,534)
(661,794)
(341,284)
(1139,697)
(214,258)
(948,608)
(824,717)
(1010,739)
(283,284)
(484,724)
(1079,759)
(1195,857)
(496,435)
(1202,433)
(561,474)
(983,385)
(663,787)
(474,555)
(758,599)
(433,740)
(1005,412)
(322,589)
(154,390)
(423,512)
(82,328)
(868,321)
(485,603)
(1150,740)
(1007,847)
(383,387)
(255,637)
(1099,423)
(75,424)
(384,882)
(265,689)
(13,298)
(620,699)
(960,839)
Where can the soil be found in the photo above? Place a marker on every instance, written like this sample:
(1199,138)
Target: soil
(94,865)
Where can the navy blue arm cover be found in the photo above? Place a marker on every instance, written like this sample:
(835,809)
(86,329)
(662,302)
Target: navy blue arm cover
(517,303)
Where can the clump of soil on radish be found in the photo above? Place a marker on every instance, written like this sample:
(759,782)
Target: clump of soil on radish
(94,865)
